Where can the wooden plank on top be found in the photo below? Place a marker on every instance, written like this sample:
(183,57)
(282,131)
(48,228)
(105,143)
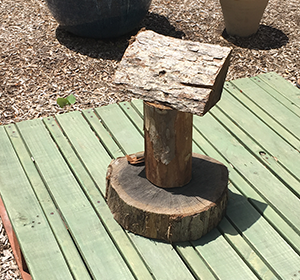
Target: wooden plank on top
(265,137)
(95,245)
(281,114)
(261,179)
(40,249)
(92,177)
(121,128)
(285,88)
(59,229)
(261,111)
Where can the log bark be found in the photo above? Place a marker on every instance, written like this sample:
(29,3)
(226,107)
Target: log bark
(168,145)
(185,75)
(176,214)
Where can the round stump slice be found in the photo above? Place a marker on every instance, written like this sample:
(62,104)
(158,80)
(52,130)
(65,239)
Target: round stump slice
(171,214)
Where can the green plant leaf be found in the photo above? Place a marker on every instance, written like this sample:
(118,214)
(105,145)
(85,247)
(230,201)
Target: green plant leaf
(62,102)
(71,99)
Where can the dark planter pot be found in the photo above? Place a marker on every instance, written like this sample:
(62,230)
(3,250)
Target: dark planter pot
(99,18)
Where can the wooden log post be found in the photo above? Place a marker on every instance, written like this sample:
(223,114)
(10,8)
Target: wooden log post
(168,145)
(176,195)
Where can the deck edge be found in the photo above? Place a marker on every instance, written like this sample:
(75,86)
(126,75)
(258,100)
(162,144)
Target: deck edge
(14,242)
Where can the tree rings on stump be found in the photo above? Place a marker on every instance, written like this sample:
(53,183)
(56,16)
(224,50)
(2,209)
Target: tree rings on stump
(173,214)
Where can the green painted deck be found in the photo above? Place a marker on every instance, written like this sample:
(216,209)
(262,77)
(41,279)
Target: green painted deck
(52,182)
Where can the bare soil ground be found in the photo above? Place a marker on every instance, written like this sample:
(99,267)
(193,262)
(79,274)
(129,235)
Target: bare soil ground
(40,62)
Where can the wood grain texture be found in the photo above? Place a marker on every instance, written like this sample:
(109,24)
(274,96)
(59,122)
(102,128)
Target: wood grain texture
(61,233)
(160,256)
(87,148)
(37,241)
(187,76)
(259,102)
(290,236)
(15,246)
(224,261)
(168,146)
(259,136)
(279,112)
(289,97)
(270,188)
(115,120)
(93,242)
(176,214)
(284,88)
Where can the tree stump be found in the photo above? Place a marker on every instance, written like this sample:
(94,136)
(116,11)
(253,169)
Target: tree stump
(177,195)
(171,214)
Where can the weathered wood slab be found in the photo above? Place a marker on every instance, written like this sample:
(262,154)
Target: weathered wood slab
(185,75)
(174,214)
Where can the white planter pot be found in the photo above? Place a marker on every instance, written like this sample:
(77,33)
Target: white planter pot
(242,17)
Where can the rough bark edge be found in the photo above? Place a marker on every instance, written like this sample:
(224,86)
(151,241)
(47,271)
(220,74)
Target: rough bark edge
(170,228)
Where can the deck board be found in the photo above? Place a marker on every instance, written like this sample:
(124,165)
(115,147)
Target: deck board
(264,136)
(275,115)
(284,92)
(222,258)
(270,188)
(27,216)
(114,118)
(253,130)
(250,193)
(59,229)
(102,260)
(194,261)
(87,149)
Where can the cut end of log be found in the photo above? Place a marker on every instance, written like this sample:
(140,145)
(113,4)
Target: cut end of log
(175,214)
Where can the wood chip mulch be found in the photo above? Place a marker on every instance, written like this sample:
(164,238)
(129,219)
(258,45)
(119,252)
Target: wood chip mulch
(40,61)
